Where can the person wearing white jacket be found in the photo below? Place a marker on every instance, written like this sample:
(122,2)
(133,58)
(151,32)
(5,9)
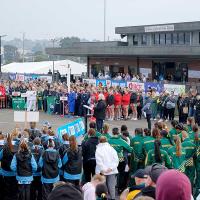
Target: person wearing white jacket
(106,164)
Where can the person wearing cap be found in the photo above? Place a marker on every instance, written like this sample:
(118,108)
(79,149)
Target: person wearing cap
(178,155)
(190,149)
(157,155)
(173,185)
(153,172)
(140,178)
(165,140)
(50,163)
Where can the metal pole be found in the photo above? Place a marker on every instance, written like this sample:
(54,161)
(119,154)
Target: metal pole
(53,61)
(104,20)
(23,38)
(0,55)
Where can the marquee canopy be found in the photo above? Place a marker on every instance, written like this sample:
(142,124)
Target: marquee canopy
(44,67)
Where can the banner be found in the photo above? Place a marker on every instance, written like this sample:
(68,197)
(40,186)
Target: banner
(20,77)
(90,81)
(116,83)
(178,89)
(76,128)
(50,104)
(101,83)
(18,103)
(135,86)
(159,87)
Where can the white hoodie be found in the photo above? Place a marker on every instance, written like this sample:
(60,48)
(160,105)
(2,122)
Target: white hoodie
(106,157)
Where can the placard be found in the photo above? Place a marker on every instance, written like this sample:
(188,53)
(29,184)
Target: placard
(63,98)
(177,89)
(193,74)
(19,116)
(135,86)
(33,116)
(16,94)
(20,77)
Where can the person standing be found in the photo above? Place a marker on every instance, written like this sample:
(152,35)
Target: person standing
(125,103)
(117,103)
(197,110)
(106,164)
(110,103)
(139,105)
(71,101)
(133,105)
(100,112)
(170,106)
(24,164)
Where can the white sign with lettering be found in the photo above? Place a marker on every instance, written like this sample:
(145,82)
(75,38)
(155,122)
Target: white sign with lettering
(160,28)
(193,74)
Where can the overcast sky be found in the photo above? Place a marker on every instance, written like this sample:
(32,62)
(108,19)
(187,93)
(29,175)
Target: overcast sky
(45,19)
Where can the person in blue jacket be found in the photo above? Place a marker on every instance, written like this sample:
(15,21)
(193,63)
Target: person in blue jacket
(71,101)
(24,164)
(36,185)
(72,162)
(9,187)
(50,163)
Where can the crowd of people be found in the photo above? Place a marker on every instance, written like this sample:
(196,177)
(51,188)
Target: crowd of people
(162,163)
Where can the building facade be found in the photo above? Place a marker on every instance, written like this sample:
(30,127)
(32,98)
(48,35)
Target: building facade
(163,51)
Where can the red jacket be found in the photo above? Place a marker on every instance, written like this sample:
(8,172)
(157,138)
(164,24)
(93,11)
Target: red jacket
(2,91)
(118,99)
(126,99)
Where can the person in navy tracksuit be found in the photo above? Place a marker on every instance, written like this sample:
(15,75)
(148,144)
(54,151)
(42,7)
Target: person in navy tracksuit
(36,185)
(9,187)
(24,164)
(72,162)
(50,163)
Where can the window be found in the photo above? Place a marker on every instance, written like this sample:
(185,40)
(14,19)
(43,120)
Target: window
(135,40)
(156,38)
(175,38)
(181,38)
(162,39)
(168,38)
(187,38)
(144,39)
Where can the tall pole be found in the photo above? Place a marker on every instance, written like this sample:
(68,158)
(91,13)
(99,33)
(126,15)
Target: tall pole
(53,41)
(104,20)
(0,52)
(23,38)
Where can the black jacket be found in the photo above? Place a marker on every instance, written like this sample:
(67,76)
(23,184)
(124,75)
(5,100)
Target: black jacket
(24,167)
(50,164)
(89,148)
(100,110)
(133,98)
(111,100)
(74,163)
(148,191)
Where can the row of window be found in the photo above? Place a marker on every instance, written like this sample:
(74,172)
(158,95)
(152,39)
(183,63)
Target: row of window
(164,39)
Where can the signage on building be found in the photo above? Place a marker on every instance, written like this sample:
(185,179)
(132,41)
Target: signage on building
(145,71)
(160,28)
(193,74)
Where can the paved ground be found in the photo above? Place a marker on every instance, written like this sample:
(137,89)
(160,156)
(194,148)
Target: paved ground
(7,124)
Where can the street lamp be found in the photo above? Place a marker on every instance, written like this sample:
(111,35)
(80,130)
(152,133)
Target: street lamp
(104,20)
(53,41)
(1,36)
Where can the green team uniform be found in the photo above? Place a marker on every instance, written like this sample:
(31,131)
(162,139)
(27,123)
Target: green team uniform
(189,128)
(178,162)
(150,159)
(165,144)
(107,135)
(197,166)
(119,145)
(148,144)
(190,149)
(40,100)
(137,156)
(191,135)
(172,133)
(86,137)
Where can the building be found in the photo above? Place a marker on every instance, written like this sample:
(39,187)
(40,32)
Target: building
(163,51)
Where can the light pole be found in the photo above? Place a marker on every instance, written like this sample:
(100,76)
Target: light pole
(23,38)
(104,20)
(53,41)
(1,36)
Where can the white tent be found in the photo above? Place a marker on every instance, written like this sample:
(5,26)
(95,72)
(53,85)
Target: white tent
(44,67)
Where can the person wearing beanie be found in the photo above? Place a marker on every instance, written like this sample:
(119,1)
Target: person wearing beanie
(153,172)
(173,185)
(50,163)
(65,191)
(157,155)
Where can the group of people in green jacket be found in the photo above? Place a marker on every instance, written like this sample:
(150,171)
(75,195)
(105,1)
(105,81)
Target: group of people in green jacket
(177,147)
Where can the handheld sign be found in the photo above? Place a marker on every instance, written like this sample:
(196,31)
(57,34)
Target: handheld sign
(63,99)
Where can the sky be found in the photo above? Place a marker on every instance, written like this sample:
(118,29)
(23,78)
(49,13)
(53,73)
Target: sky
(47,19)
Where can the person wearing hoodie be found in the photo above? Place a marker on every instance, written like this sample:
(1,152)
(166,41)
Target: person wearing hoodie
(88,151)
(9,187)
(50,163)
(72,162)
(36,185)
(107,162)
(24,164)
(173,185)
(89,188)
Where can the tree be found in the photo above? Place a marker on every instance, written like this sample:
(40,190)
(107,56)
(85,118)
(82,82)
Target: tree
(67,41)
(40,56)
(11,54)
